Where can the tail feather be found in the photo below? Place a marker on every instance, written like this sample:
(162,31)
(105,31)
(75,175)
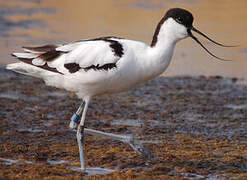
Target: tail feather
(40,49)
(27,69)
(17,67)
(25,55)
(39,57)
(36,72)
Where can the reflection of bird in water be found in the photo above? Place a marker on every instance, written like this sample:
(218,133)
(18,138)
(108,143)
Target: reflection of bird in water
(107,65)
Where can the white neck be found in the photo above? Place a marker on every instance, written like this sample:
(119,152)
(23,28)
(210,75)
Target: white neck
(160,54)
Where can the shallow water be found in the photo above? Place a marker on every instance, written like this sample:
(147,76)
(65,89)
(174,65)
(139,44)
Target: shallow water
(55,162)
(93,170)
(133,122)
(36,22)
(89,171)
(11,161)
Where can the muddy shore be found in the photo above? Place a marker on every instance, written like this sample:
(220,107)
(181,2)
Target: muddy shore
(195,127)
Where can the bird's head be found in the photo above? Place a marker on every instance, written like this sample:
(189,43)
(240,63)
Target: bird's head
(179,23)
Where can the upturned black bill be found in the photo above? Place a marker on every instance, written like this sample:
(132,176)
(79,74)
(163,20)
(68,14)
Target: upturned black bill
(197,31)
(193,37)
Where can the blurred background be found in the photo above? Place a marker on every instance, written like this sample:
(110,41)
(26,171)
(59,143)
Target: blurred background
(38,22)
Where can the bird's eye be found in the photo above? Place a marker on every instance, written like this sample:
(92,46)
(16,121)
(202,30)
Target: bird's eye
(179,19)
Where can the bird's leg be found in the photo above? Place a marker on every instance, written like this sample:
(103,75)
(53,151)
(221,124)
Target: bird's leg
(135,144)
(74,120)
(80,136)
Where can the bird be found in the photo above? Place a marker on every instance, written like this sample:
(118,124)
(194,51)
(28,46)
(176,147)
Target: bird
(107,65)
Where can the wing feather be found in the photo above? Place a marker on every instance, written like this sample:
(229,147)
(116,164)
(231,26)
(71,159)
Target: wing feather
(95,54)
(88,53)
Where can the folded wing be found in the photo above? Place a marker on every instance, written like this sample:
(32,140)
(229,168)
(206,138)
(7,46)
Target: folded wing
(96,54)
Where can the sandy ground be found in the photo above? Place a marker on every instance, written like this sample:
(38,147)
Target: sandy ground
(195,127)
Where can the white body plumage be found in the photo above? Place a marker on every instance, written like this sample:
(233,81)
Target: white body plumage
(138,63)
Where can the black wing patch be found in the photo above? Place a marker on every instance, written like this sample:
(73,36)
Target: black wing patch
(74,67)
(116,46)
(41,49)
(47,53)
(105,67)
(46,67)
(50,55)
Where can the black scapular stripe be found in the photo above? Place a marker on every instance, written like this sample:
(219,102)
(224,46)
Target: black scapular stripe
(74,67)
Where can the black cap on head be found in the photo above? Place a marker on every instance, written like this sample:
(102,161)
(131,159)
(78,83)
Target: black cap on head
(184,18)
(181,16)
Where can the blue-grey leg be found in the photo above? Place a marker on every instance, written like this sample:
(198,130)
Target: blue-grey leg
(74,120)
(135,144)
(80,141)
(80,130)
(80,136)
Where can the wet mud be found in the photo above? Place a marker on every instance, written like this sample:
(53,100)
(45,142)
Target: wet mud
(195,127)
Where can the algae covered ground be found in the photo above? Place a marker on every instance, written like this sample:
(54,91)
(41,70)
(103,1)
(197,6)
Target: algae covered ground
(195,127)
